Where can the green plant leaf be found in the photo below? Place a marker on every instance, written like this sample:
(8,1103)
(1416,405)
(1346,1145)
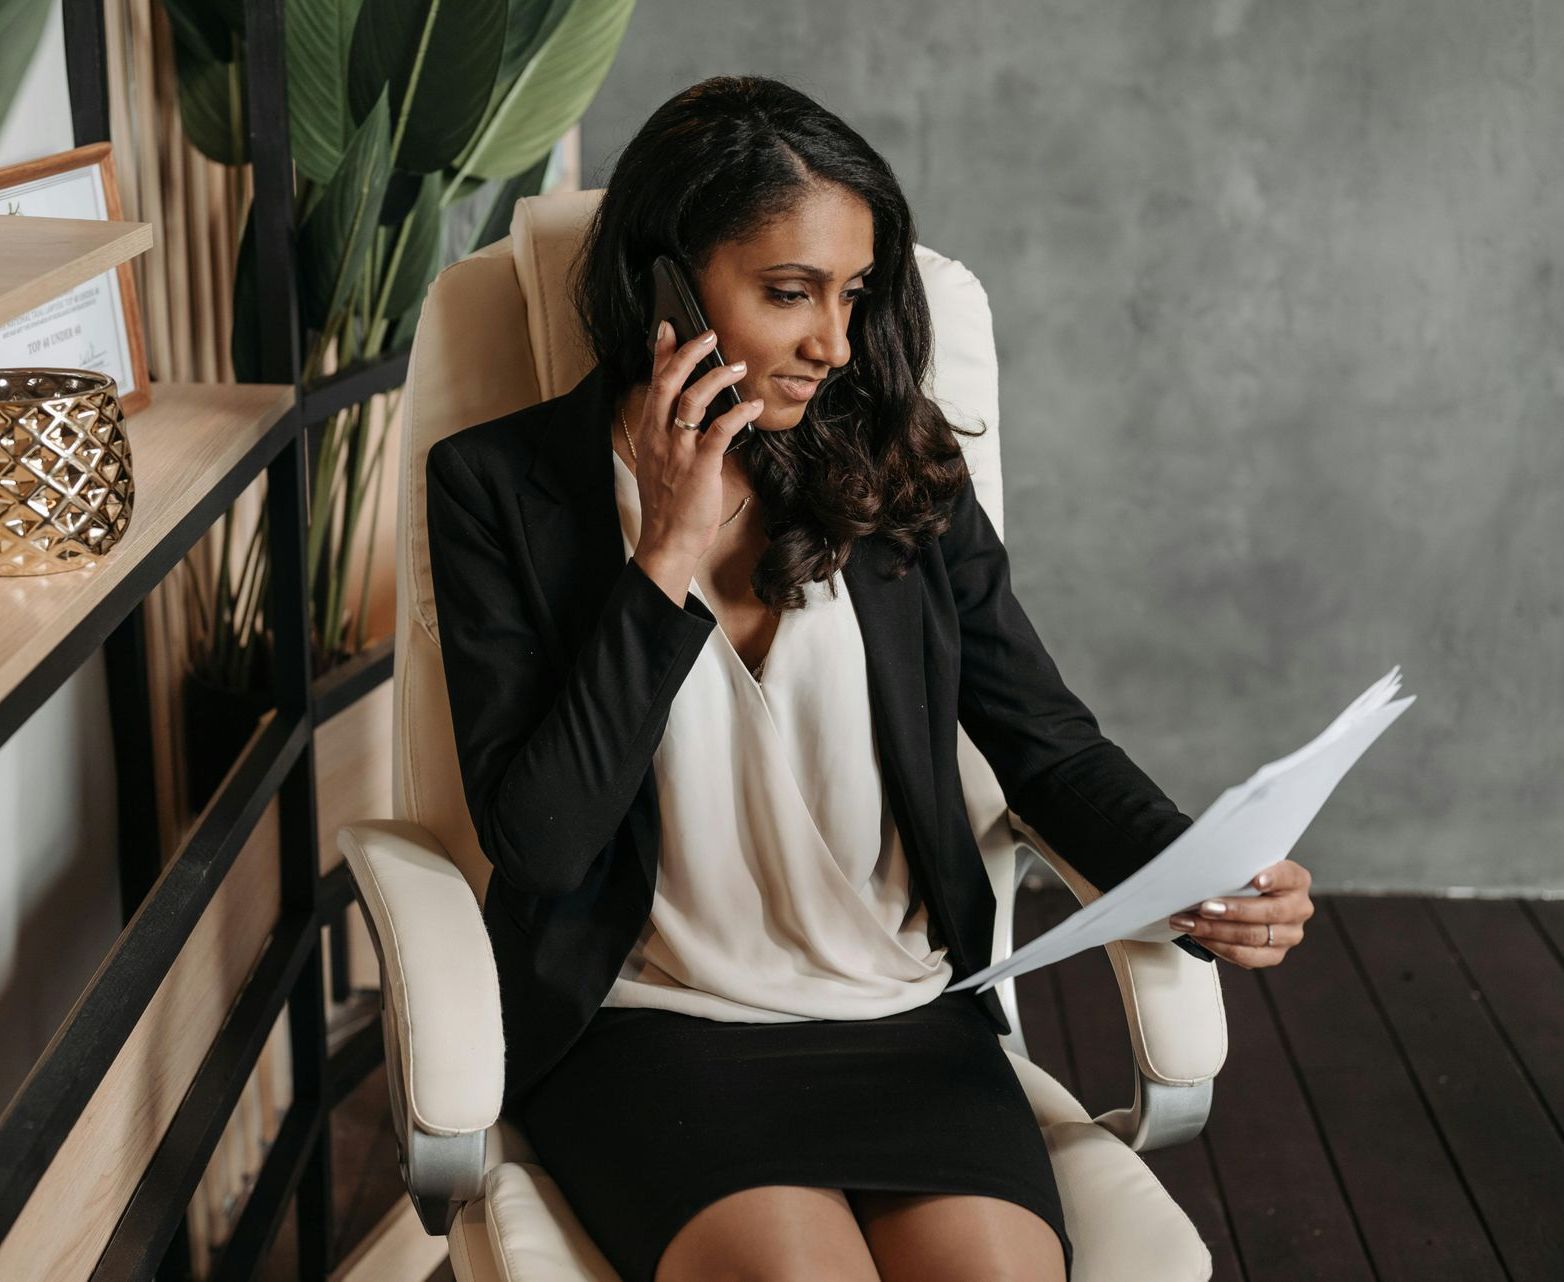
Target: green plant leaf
(21,24)
(438,58)
(245,344)
(496,222)
(212,102)
(320,33)
(552,91)
(462,188)
(339,231)
(420,251)
(528,23)
(401,192)
(404,329)
(232,12)
(204,27)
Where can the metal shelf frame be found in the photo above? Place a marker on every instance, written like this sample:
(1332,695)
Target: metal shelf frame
(162,904)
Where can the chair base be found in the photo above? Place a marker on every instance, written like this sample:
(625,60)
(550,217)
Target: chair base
(1161,1115)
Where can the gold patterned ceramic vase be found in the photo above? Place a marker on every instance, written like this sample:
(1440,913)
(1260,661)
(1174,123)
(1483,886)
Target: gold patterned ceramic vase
(65,482)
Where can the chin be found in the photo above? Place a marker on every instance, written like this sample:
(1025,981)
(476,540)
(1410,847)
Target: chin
(780,418)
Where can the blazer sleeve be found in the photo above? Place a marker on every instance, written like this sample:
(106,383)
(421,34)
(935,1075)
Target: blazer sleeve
(549,765)
(1077,788)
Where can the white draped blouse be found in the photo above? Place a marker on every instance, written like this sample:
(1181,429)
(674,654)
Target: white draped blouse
(783,889)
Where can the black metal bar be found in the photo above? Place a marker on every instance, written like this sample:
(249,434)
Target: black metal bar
(177,1266)
(336,891)
(33,690)
(353,386)
(50,1101)
(315,1217)
(130,721)
(287,506)
(140,836)
(299,823)
(344,685)
(267,1204)
(86,70)
(337,946)
(170,1180)
(271,167)
(356,1059)
(334,894)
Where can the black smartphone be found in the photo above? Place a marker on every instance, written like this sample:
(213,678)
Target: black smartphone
(674,301)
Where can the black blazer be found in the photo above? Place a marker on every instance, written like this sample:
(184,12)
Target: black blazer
(562,659)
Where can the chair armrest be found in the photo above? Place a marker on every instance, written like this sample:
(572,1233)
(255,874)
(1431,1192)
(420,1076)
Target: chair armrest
(440,1009)
(1177,1024)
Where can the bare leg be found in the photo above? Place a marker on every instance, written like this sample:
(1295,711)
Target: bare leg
(775,1232)
(947,1237)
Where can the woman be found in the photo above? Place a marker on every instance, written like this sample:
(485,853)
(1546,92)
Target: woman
(733,871)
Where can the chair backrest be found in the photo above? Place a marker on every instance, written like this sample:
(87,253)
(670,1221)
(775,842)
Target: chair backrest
(498,333)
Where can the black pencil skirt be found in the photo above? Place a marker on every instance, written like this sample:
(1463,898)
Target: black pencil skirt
(653,1114)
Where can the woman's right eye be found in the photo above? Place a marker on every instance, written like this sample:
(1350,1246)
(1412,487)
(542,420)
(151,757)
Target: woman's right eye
(785,295)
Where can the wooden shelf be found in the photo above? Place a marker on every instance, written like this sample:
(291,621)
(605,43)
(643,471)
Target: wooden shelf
(182,446)
(41,258)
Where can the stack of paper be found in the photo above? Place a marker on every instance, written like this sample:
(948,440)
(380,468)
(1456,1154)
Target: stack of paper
(1244,830)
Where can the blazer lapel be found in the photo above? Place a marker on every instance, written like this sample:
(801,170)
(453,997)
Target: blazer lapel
(576,550)
(569,516)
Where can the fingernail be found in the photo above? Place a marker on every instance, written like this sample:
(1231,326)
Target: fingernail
(1213,906)
(738,367)
(1183,923)
(709,336)
(1263,880)
(662,331)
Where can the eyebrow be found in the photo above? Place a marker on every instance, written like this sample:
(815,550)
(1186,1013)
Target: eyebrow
(817,274)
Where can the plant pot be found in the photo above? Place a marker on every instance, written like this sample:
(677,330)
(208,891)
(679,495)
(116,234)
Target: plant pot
(218,722)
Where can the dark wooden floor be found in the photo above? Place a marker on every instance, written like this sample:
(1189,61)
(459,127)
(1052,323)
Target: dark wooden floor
(1392,1105)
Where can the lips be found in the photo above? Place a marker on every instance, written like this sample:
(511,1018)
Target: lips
(800,389)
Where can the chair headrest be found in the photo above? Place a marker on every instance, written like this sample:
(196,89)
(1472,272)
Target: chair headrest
(547,230)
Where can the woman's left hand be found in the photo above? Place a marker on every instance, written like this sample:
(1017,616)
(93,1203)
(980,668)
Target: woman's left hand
(1236,928)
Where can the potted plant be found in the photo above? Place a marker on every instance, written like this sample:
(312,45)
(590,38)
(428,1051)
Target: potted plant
(409,120)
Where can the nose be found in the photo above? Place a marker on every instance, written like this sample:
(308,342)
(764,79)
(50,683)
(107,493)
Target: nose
(827,341)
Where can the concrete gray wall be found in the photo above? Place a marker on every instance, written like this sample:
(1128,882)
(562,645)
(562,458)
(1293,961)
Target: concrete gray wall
(1279,293)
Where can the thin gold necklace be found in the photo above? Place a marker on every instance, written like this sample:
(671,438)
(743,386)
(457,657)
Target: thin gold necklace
(630,441)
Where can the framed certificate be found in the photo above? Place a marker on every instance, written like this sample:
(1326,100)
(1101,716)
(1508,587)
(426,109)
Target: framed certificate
(97,325)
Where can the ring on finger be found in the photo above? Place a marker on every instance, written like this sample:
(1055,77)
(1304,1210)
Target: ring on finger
(679,422)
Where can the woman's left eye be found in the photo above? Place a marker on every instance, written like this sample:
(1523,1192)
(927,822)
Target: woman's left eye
(789,296)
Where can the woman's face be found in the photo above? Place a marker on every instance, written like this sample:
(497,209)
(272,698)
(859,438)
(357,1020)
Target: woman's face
(782,301)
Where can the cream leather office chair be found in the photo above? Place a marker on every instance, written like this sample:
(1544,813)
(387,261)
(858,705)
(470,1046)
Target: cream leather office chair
(497,333)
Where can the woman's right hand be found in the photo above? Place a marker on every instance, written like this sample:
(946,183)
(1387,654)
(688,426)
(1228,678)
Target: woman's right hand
(679,471)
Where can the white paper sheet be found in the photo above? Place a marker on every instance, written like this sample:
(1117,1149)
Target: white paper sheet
(1247,828)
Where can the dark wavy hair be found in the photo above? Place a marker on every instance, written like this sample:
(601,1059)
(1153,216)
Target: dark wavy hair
(716,163)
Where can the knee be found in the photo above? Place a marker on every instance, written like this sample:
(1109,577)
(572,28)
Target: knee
(796,1269)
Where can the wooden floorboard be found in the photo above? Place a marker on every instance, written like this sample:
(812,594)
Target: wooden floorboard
(1549,917)
(1291,1220)
(1501,1136)
(1038,995)
(1522,982)
(1408,1197)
